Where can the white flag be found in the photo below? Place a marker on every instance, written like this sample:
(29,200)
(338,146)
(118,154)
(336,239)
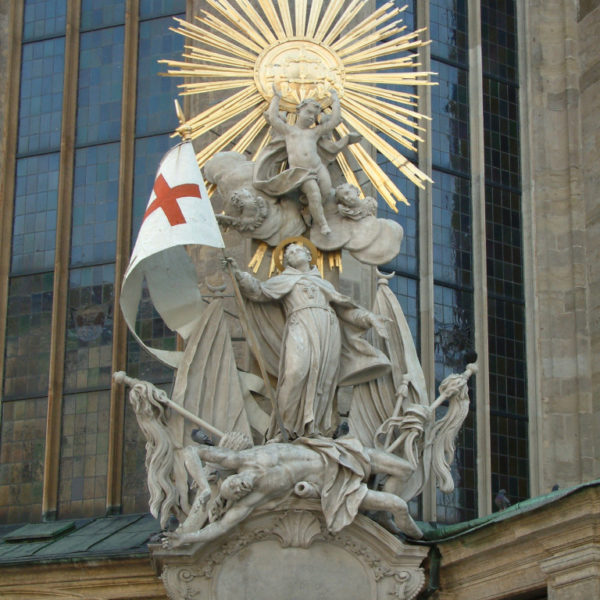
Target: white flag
(178,213)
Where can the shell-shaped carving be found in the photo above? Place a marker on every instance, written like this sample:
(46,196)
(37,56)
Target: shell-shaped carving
(297,529)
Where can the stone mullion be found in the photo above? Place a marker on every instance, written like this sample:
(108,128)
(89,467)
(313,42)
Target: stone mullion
(124,224)
(61,263)
(534,407)
(7,173)
(426,293)
(477,157)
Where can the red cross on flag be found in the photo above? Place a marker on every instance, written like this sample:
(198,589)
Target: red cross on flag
(178,213)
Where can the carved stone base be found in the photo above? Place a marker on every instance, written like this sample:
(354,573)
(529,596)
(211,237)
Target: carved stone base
(287,553)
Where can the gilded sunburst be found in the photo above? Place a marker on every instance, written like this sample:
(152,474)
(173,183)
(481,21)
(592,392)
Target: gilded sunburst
(304,50)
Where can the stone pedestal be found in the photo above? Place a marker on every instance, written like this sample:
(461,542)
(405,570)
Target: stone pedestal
(288,553)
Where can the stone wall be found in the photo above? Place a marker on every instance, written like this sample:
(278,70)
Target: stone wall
(4,41)
(561,93)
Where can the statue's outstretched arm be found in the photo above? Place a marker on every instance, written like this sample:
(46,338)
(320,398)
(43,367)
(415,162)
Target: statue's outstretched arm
(334,118)
(363,318)
(235,515)
(250,286)
(272,115)
(230,459)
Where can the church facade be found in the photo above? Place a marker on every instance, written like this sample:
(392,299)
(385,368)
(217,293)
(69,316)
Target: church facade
(499,258)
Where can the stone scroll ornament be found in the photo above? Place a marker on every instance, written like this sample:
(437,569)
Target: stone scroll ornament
(307,93)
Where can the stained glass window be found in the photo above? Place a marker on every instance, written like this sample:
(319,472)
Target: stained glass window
(28,335)
(23,435)
(95,195)
(499,38)
(44,18)
(84,454)
(407,216)
(452,244)
(155,109)
(450,112)
(100,86)
(150,9)
(89,329)
(448,30)
(506,310)
(96,14)
(34,225)
(40,112)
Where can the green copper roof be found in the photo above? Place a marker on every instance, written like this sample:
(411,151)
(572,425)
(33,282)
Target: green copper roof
(432,532)
(83,539)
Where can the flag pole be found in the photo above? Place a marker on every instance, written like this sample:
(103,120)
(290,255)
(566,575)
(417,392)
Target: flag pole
(253,343)
(122,377)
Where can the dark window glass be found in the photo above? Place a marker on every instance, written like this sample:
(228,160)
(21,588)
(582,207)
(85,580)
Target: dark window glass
(461,504)
(100,86)
(155,109)
(407,216)
(504,243)
(501,123)
(89,328)
(506,314)
(96,14)
(452,244)
(84,455)
(450,113)
(22,460)
(454,334)
(95,194)
(160,8)
(28,335)
(448,30)
(44,18)
(510,457)
(454,340)
(34,225)
(406,290)
(40,113)
(499,39)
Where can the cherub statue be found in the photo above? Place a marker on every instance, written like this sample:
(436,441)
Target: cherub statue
(308,151)
(248,211)
(351,205)
(335,471)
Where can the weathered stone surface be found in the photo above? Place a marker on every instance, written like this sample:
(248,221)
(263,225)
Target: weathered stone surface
(288,553)
(564,96)
(553,548)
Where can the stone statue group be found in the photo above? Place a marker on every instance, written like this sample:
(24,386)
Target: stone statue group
(214,454)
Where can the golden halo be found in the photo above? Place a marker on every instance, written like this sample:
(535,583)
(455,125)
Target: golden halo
(297,239)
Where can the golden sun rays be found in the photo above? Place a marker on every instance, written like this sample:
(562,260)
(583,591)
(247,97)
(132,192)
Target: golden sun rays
(303,50)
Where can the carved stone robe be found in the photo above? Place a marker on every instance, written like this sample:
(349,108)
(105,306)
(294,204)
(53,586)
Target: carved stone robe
(310,335)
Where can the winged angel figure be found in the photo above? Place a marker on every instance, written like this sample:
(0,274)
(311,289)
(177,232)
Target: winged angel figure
(212,478)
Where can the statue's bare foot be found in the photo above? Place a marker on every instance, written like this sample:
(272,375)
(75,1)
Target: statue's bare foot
(173,539)
(407,525)
(325,229)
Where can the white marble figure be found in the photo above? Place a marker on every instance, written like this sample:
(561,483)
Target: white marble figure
(335,471)
(307,151)
(320,346)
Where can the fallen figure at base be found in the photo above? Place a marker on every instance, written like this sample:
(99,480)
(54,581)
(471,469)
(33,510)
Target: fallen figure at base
(336,471)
